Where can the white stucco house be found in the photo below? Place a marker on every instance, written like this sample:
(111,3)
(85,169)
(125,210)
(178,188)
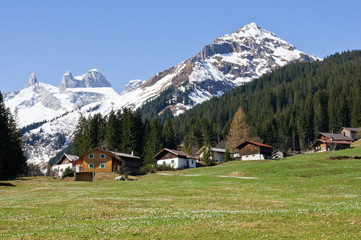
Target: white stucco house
(175,159)
(66,161)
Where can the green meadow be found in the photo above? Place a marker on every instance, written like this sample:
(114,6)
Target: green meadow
(303,197)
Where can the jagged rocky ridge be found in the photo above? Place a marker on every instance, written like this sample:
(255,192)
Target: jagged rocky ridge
(227,62)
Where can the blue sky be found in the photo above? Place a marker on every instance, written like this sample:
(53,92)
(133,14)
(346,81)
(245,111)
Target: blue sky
(128,40)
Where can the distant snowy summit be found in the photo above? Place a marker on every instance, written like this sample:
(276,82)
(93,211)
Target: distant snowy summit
(132,85)
(229,61)
(32,81)
(93,78)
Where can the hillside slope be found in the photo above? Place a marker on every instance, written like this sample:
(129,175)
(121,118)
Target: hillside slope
(287,107)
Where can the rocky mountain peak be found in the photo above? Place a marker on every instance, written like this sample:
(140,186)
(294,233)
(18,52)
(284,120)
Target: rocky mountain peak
(132,85)
(93,78)
(32,81)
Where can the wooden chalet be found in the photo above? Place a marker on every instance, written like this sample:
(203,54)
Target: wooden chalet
(329,141)
(175,159)
(100,161)
(354,133)
(218,153)
(249,150)
(65,161)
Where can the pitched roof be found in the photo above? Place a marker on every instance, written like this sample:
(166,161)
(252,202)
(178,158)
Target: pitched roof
(175,152)
(113,154)
(330,141)
(254,143)
(72,158)
(123,154)
(336,136)
(351,129)
(222,150)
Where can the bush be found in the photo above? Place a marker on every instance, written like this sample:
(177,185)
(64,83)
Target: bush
(68,172)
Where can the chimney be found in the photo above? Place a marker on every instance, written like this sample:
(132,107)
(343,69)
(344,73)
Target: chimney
(132,153)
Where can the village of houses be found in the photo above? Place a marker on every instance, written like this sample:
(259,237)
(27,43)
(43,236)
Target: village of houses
(98,160)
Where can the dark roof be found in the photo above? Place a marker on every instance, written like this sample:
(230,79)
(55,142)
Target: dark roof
(113,154)
(330,141)
(351,129)
(335,136)
(254,143)
(72,158)
(175,152)
(221,150)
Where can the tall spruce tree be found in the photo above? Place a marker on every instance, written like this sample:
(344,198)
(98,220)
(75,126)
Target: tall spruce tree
(81,137)
(169,135)
(128,134)
(154,142)
(12,159)
(112,132)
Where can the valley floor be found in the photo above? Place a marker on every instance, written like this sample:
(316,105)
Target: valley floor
(304,197)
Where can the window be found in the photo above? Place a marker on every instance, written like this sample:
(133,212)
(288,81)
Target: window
(91,165)
(102,165)
(91,156)
(102,156)
(172,161)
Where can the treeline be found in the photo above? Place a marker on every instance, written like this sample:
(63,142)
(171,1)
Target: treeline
(288,107)
(12,159)
(126,132)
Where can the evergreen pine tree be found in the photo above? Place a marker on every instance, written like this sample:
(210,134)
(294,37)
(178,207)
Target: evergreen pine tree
(12,159)
(81,137)
(128,135)
(154,142)
(169,136)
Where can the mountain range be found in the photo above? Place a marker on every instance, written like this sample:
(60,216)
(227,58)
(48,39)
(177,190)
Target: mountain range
(49,113)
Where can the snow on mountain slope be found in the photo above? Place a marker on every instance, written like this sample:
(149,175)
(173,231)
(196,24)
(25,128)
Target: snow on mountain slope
(228,61)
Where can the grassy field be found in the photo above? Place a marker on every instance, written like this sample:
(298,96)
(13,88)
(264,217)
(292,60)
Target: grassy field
(304,197)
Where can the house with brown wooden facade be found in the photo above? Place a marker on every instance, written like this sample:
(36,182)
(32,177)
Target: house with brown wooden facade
(101,161)
(331,141)
(175,159)
(354,133)
(250,150)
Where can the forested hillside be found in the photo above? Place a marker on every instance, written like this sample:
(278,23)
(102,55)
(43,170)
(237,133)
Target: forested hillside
(288,107)
(285,109)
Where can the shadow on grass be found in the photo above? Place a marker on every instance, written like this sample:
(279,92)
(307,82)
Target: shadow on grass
(6,184)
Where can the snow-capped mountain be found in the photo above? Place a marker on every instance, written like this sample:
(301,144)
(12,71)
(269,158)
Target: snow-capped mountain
(227,62)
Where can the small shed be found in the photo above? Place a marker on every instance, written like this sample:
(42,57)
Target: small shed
(175,159)
(249,150)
